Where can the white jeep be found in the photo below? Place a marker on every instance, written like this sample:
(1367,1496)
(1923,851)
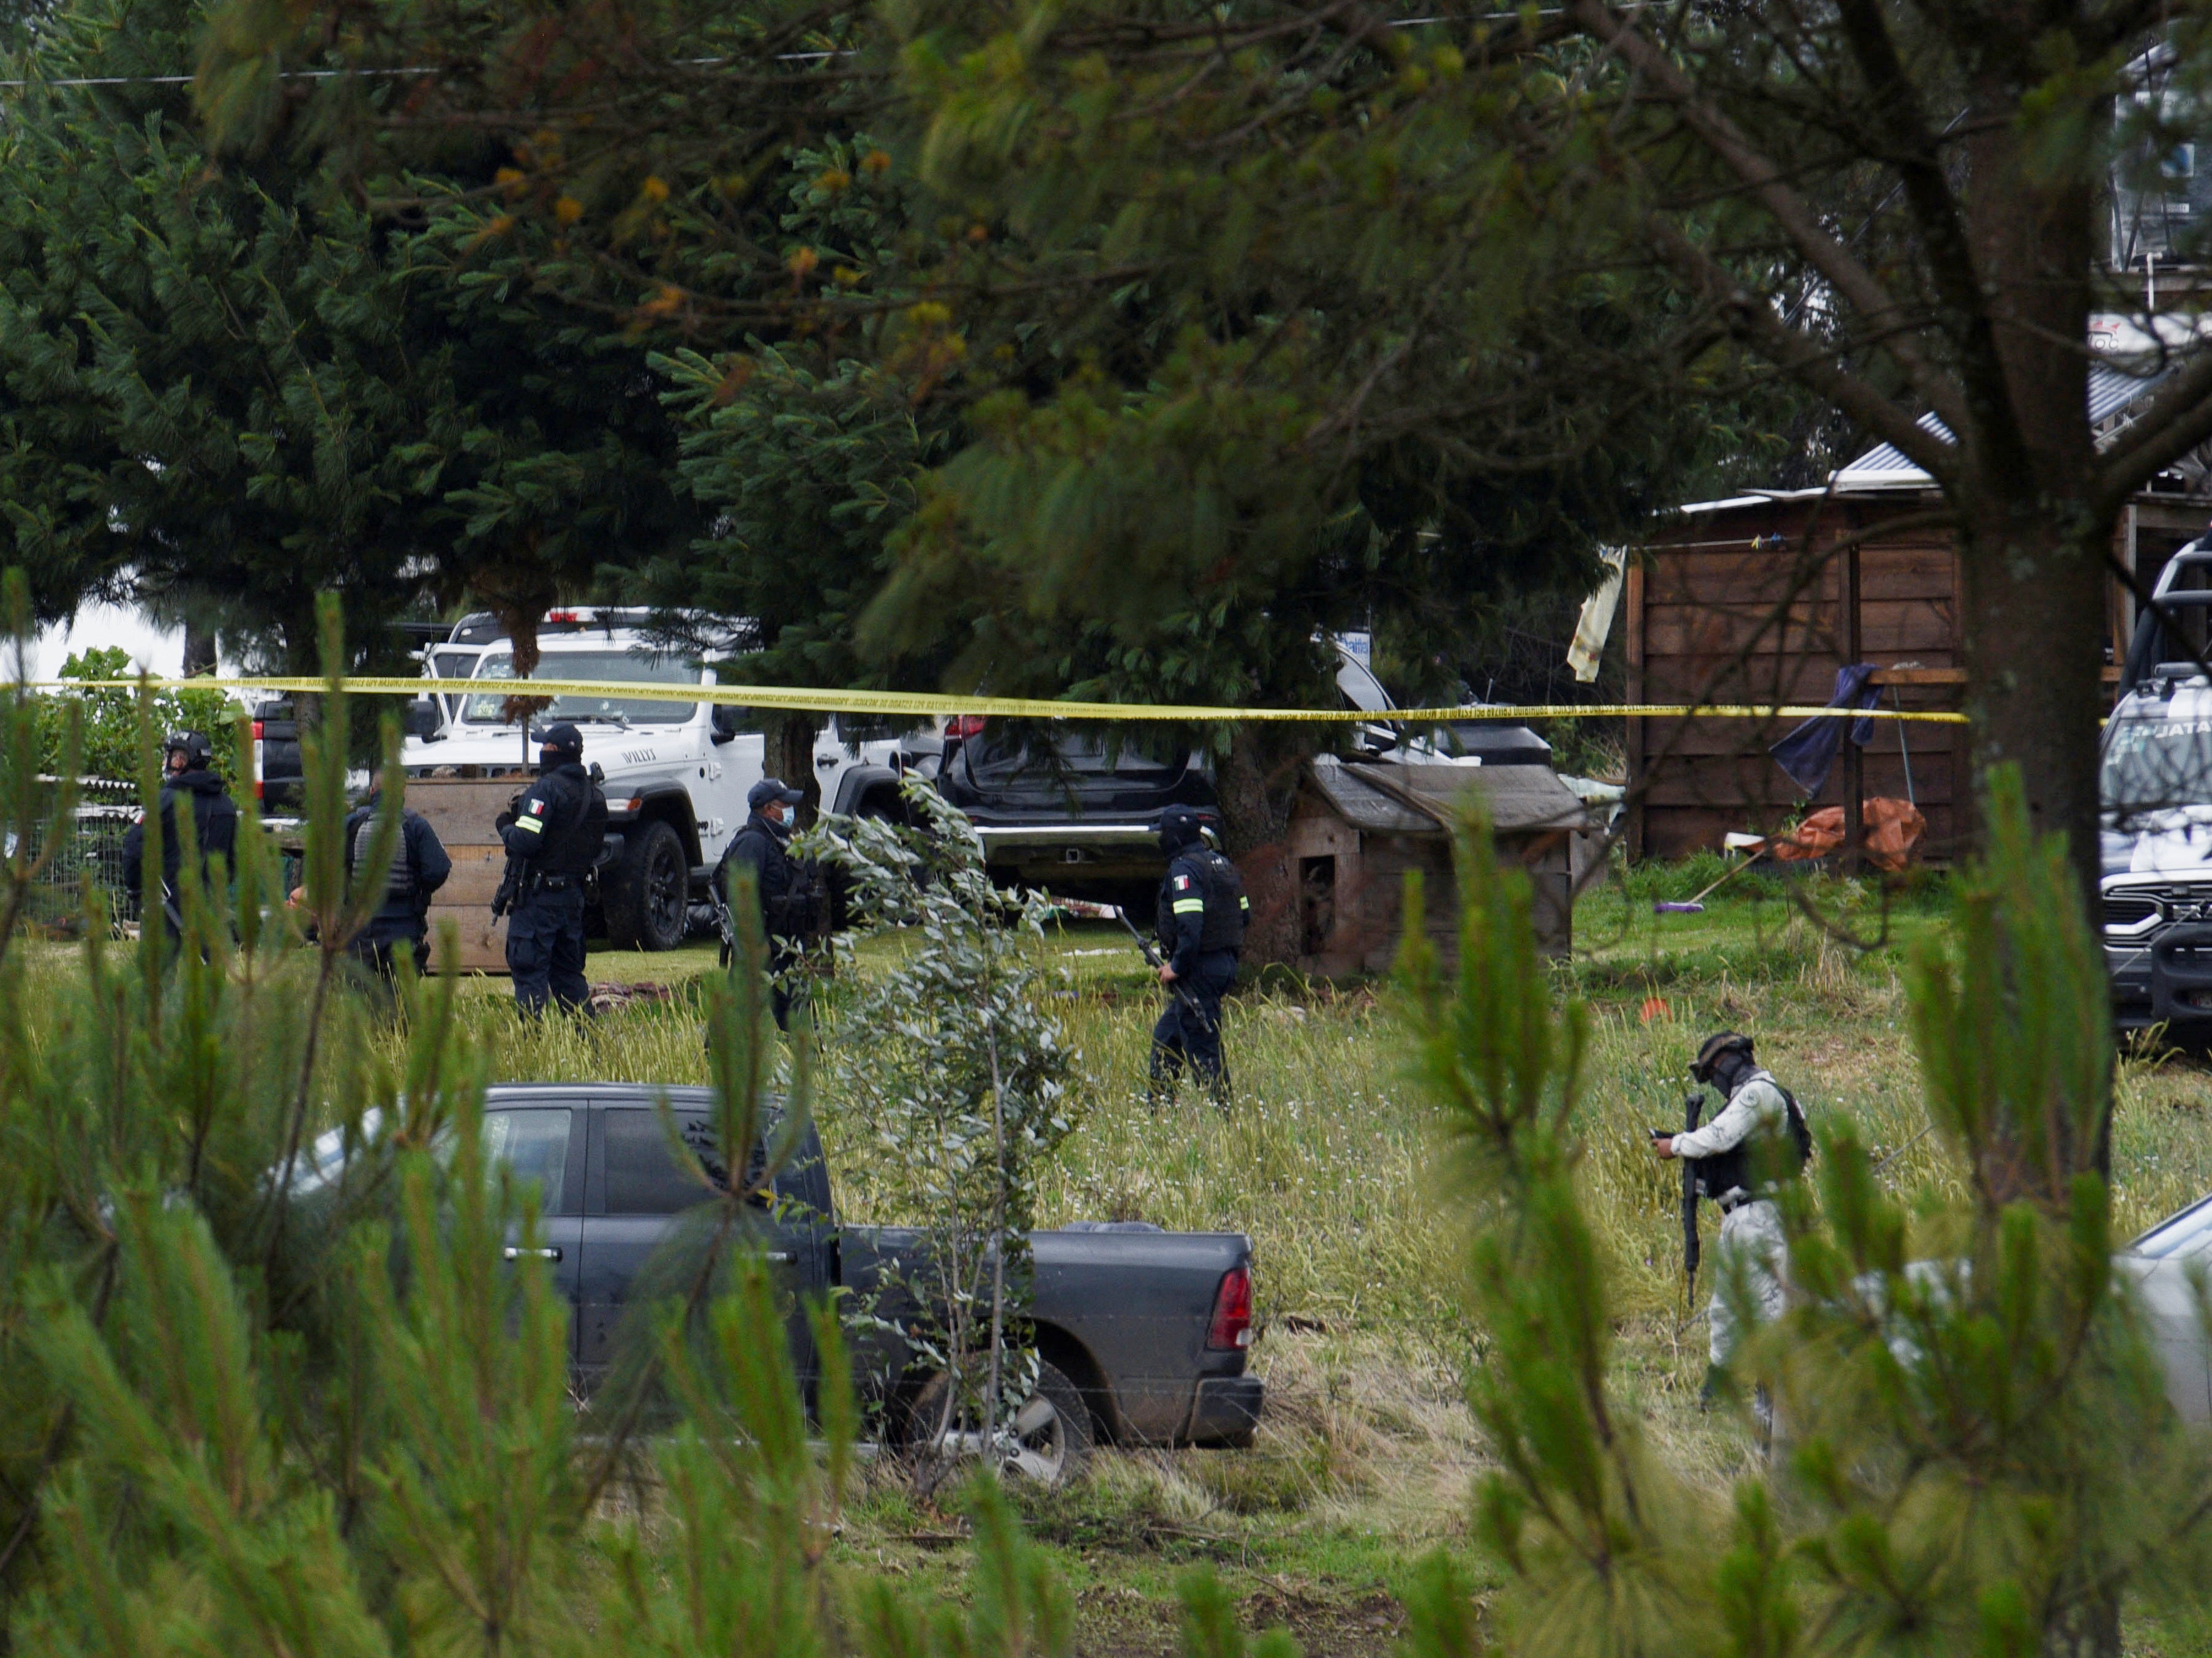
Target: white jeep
(675,772)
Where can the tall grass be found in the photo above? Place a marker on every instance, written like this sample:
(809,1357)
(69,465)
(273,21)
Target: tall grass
(1324,1157)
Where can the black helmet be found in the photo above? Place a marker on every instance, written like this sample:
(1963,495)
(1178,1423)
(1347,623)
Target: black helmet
(1180,827)
(564,739)
(1713,1050)
(197,750)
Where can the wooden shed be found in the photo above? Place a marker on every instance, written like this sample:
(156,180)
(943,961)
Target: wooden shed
(1761,599)
(462,811)
(1356,830)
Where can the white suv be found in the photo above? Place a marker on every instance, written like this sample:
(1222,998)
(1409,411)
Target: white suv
(675,771)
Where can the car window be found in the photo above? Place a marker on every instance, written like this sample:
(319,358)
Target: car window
(629,667)
(642,1179)
(2155,761)
(855,729)
(1077,757)
(534,1143)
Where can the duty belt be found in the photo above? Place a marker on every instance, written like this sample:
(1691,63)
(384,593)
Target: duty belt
(555,883)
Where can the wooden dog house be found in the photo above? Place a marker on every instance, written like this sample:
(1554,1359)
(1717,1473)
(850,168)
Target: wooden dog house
(1355,830)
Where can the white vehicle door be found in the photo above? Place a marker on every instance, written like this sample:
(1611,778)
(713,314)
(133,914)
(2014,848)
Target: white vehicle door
(837,754)
(732,755)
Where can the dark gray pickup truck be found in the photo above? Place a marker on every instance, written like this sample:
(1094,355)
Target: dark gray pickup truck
(1143,1333)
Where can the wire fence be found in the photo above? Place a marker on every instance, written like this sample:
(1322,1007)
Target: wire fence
(94,846)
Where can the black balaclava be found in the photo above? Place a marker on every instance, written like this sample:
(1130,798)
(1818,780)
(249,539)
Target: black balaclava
(1179,828)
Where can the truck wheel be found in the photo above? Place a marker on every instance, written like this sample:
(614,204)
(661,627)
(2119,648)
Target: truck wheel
(648,891)
(1052,1429)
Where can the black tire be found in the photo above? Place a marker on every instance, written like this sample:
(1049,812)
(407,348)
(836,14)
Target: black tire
(647,892)
(1052,1428)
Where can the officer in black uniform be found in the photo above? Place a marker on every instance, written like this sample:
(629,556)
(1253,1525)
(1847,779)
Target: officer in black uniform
(1202,914)
(558,826)
(187,759)
(785,885)
(419,868)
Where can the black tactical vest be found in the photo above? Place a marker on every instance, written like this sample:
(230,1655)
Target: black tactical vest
(574,839)
(1227,909)
(1756,1162)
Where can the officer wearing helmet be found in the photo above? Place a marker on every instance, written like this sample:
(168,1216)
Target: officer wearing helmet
(1201,921)
(419,868)
(187,758)
(1758,1140)
(554,835)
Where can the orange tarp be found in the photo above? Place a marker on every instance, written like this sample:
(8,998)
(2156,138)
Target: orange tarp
(1892,828)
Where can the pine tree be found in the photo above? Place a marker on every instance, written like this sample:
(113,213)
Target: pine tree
(1974,1449)
(264,1398)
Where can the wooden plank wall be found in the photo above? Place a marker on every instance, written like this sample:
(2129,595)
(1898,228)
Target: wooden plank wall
(1746,605)
(462,811)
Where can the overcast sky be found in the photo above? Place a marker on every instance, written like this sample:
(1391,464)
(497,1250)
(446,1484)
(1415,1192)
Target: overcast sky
(159,650)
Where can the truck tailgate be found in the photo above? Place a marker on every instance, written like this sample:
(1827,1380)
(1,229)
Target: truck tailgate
(1127,1315)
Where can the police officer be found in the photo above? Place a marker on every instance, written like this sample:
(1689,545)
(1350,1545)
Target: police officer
(557,827)
(186,762)
(1201,921)
(419,868)
(785,885)
(1758,1140)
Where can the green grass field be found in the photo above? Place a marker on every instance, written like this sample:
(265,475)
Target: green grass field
(1328,1160)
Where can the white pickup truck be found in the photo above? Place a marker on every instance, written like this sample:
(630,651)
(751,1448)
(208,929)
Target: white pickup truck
(675,770)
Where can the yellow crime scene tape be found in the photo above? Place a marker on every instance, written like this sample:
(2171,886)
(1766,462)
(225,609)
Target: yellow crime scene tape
(923,705)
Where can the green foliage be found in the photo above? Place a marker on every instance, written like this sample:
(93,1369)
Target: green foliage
(960,1072)
(1210,1628)
(274,1381)
(106,720)
(221,382)
(1975,1451)
(2022,1094)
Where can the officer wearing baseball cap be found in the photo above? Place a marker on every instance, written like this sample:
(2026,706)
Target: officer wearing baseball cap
(789,901)
(558,826)
(1201,921)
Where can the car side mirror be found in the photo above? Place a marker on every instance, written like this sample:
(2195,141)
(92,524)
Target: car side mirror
(729,720)
(421,718)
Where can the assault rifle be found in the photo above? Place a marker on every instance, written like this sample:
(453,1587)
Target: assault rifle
(510,881)
(1152,959)
(1693,1106)
(724,922)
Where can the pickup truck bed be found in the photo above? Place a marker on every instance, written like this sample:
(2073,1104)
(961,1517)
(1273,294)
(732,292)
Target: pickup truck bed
(1152,1327)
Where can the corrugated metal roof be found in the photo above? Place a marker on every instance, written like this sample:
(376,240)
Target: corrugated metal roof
(1885,467)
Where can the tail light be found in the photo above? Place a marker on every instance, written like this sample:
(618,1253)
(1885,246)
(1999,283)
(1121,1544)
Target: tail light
(257,760)
(1232,1311)
(965,725)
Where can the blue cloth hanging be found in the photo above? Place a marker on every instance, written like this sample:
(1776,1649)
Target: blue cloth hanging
(1808,753)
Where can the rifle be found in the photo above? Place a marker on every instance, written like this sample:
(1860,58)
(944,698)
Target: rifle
(724,922)
(510,880)
(1693,1106)
(1152,959)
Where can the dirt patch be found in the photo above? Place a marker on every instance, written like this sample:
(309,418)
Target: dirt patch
(1116,1621)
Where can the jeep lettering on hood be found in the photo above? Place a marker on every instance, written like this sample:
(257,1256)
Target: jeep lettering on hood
(637,757)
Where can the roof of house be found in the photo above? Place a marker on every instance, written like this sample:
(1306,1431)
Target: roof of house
(2112,389)
(1518,798)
